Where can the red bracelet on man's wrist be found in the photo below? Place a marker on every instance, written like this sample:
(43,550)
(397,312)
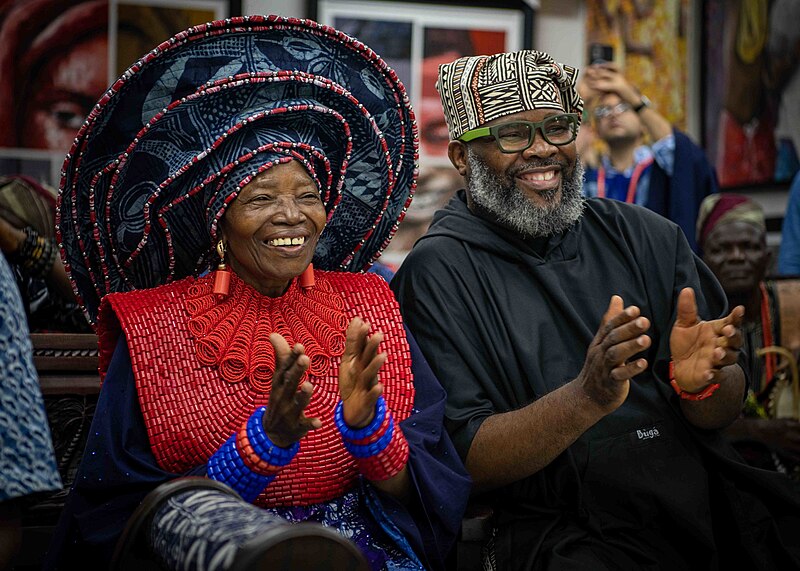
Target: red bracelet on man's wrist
(704,394)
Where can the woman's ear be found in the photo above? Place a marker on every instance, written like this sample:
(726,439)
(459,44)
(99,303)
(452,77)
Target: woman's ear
(221,230)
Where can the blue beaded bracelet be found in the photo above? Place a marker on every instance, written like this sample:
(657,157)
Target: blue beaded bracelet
(227,466)
(360,433)
(373,448)
(263,446)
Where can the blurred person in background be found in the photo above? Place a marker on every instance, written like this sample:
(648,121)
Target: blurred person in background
(27,238)
(646,161)
(27,460)
(789,250)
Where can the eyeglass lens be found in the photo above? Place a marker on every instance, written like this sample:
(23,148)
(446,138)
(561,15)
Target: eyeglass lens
(607,110)
(518,136)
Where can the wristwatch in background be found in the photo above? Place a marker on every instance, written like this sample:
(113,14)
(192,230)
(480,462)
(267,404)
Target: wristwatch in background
(645,102)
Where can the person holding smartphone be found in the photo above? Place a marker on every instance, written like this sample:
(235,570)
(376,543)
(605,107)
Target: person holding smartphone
(645,160)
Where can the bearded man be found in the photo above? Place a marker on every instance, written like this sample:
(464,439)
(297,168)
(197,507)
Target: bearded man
(589,356)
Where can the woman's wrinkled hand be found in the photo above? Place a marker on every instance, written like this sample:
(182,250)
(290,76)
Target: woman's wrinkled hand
(359,388)
(700,349)
(606,373)
(285,421)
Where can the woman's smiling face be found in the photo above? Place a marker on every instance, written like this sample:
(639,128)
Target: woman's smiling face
(272,228)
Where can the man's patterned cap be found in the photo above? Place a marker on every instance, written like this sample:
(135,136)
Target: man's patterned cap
(477,89)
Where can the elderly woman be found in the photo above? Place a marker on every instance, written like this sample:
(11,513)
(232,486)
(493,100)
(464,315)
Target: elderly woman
(195,198)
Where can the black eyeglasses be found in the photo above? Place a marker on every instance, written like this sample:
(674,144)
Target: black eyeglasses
(516,136)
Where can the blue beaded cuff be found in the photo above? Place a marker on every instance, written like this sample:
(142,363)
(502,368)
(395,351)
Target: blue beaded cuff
(227,466)
(360,433)
(368,450)
(263,446)
(350,435)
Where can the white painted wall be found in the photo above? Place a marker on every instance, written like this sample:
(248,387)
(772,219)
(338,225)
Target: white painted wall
(560,31)
(290,8)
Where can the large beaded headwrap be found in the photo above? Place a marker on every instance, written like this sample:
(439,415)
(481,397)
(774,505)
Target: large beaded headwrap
(171,143)
(477,89)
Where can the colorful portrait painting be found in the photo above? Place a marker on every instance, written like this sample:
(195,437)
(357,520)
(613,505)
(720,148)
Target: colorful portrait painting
(58,57)
(415,38)
(648,42)
(752,90)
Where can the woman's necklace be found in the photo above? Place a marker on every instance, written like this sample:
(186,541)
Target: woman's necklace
(232,334)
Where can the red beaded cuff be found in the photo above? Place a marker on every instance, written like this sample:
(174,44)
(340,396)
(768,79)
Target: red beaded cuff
(380,450)
(251,458)
(388,462)
(704,394)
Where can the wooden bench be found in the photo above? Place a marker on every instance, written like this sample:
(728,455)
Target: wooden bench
(66,363)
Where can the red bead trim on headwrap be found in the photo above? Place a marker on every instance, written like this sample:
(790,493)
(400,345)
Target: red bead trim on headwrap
(189,411)
(233,334)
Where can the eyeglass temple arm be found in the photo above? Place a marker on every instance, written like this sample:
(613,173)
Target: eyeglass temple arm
(475,134)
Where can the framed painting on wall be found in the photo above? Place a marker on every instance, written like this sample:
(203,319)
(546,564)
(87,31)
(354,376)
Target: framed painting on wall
(414,38)
(648,41)
(751,91)
(59,56)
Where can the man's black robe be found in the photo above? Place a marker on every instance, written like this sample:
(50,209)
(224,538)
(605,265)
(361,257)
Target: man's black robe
(504,321)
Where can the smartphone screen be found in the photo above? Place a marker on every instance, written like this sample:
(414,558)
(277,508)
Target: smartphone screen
(600,53)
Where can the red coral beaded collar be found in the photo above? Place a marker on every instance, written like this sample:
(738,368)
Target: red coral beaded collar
(232,334)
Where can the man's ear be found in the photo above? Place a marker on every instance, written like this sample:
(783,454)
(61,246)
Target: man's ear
(457,152)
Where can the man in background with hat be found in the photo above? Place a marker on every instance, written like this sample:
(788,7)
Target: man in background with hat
(589,357)
(733,238)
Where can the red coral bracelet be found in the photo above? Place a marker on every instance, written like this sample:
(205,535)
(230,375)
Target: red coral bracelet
(704,394)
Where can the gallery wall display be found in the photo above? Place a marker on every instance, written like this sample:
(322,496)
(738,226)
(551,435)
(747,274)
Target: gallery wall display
(647,39)
(57,59)
(416,37)
(751,91)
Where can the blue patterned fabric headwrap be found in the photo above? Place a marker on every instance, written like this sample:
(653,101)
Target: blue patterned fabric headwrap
(170,144)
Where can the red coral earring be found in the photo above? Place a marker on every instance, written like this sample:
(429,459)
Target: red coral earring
(222,277)
(307,277)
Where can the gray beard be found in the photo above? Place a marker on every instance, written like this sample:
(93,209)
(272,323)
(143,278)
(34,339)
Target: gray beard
(500,197)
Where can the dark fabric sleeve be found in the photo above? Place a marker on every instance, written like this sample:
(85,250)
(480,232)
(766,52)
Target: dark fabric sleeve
(441,486)
(678,197)
(442,310)
(117,471)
